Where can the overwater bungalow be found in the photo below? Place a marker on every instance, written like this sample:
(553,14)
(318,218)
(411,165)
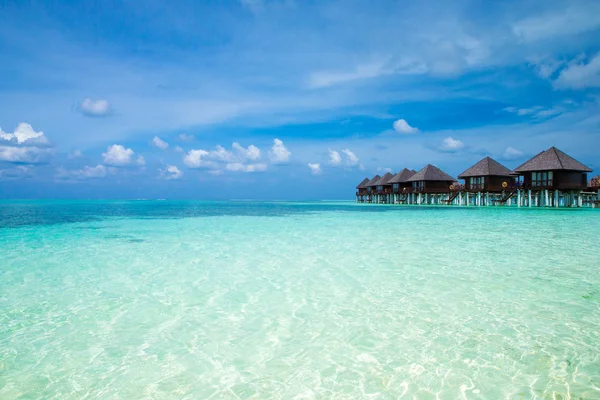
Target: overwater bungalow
(371,189)
(430,185)
(487,181)
(383,189)
(552,179)
(400,185)
(361,189)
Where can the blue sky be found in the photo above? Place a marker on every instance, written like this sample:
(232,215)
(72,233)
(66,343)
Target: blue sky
(284,99)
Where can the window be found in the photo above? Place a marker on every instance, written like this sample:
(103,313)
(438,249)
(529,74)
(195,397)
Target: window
(476,182)
(417,185)
(541,179)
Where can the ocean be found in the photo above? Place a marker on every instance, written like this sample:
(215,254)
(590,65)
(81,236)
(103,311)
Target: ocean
(276,300)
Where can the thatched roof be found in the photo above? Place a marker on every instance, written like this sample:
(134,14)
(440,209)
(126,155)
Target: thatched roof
(372,181)
(486,167)
(363,183)
(384,179)
(413,171)
(552,160)
(401,176)
(430,173)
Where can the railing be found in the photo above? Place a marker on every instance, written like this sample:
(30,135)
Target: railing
(542,184)
(384,191)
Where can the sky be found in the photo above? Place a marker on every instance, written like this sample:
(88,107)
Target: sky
(285,99)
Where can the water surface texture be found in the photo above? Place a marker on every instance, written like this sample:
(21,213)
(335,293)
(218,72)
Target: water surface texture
(242,300)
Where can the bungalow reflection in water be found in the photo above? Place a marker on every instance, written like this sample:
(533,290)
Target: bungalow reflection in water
(550,179)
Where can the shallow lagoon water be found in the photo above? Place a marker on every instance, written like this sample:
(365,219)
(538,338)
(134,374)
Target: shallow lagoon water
(246,300)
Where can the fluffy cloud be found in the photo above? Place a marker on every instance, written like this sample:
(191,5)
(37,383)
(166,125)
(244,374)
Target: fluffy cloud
(451,145)
(334,158)
(239,167)
(580,75)
(315,169)
(24,135)
(279,154)
(95,108)
(351,158)
(251,153)
(343,158)
(178,149)
(118,156)
(87,172)
(223,159)
(198,159)
(159,143)
(171,172)
(24,155)
(24,146)
(511,153)
(401,126)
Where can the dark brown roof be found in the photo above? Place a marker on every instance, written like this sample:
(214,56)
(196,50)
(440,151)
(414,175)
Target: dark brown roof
(486,167)
(402,176)
(372,181)
(551,160)
(431,173)
(384,179)
(363,184)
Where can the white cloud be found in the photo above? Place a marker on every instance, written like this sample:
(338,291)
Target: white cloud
(334,158)
(279,154)
(159,143)
(351,158)
(24,135)
(95,108)
(346,158)
(451,145)
(401,126)
(579,75)
(171,172)
(119,156)
(315,169)
(221,158)
(534,112)
(250,153)
(198,159)
(239,167)
(186,138)
(87,172)
(24,155)
(564,22)
(178,149)
(511,153)
(364,71)
(24,146)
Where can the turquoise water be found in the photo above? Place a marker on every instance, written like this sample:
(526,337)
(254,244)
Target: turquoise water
(168,300)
